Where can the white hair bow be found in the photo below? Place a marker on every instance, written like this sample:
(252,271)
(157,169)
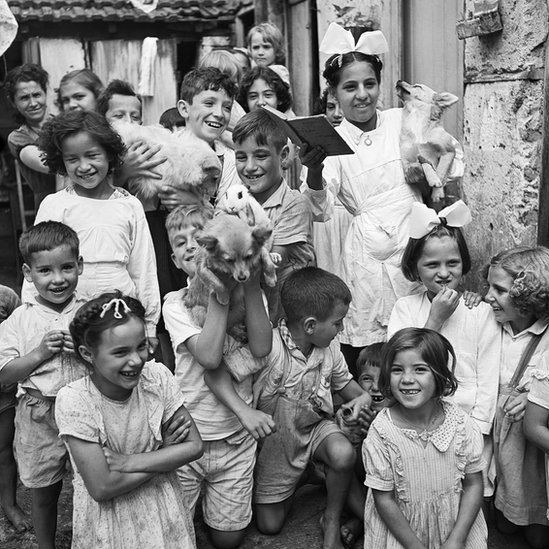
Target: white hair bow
(339,40)
(423,219)
(115,303)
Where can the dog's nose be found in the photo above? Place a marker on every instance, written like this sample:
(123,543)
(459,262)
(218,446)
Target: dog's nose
(242,278)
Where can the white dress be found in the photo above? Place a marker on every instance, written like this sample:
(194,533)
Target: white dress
(152,515)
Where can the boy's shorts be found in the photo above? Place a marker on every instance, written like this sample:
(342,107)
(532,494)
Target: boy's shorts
(282,461)
(7,397)
(225,471)
(41,455)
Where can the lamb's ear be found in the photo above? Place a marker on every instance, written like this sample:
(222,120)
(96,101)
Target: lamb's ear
(206,240)
(261,234)
(445,99)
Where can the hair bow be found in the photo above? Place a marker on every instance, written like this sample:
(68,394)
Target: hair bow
(339,40)
(116,302)
(423,219)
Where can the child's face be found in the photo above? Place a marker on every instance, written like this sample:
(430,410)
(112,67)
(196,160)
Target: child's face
(412,382)
(357,93)
(74,97)
(260,94)
(323,332)
(54,274)
(440,264)
(208,115)
(259,167)
(30,101)
(262,52)
(500,282)
(118,358)
(184,247)
(369,380)
(87,164)
(333,110)
(124,108)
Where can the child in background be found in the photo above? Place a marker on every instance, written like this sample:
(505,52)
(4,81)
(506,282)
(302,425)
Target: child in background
(262,86)
(225,472)
(9,301)
(261,153)
(423,456)
(119,102)
(172,120)
(127,430)
(368,366)
(518,287)
(79,90)
(37,351)
(114,238)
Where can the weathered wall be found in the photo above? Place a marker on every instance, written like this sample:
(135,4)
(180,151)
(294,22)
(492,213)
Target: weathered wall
(503,114)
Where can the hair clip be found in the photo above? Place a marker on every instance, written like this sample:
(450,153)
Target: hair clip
(116,301)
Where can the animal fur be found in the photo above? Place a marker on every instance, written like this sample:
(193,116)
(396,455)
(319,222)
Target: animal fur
(424,143)
(191,164)
(227,247)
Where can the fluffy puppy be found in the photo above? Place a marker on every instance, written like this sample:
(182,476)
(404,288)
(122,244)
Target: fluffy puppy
(191,163)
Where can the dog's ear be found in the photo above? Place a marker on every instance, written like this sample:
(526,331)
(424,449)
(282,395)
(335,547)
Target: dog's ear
(445,99)
(205,240)
(261,234)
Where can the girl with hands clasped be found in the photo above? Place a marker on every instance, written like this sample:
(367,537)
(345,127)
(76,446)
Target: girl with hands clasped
(422,456)
(437,256)
(127,431)
(518,294)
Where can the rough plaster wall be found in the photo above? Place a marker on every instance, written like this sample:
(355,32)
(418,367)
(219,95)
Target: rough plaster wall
(503,131)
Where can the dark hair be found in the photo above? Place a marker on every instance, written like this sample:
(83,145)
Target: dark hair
(203,79)
(260,126)
(29,72)
(319,104)
(94,317)
(86,78)
(414,249)
(371,354)
(281,89)
(170,118)
(46,236)
(70,123)
(529,269)
(114,87)
(270,33)
(433,348)
(336,63)
(312,292)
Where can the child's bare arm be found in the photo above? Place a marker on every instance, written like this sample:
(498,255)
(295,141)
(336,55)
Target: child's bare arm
(257,423)
(258,326)
(469,508)
(19,368)
(313,159)
(395,521)
(536,428)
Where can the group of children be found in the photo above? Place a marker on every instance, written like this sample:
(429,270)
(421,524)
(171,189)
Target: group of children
(428,423)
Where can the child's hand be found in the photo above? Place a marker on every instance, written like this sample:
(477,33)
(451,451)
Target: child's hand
(452,544)
(141,159)
(176,430)
(357,404)
(257,423)
(312,158)
(365,418)
(68,343)
(51,344)
(471,299)
(172,197)
(443,305)
(115,461)
(515,407)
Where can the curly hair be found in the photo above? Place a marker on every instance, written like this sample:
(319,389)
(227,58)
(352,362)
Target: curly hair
(336,63)
(29,72)
(102,313)
(281,89)
(529,269)
(271,34)
(57,129)
(86,78)
(204,79)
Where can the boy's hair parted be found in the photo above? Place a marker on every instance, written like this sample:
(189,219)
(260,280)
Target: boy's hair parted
(414,249)
(529,269)
(280,88)
(203,79)
(102,313)
(312,291)
(67,124)
(370,355)
(260,126)
(270,33)
(183,217)
(433,348)
(337,62)
(114,87)
(46,236)
(86,78)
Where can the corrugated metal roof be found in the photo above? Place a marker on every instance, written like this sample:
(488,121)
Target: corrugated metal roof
(78,11)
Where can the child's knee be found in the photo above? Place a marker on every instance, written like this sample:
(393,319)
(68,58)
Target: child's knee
(270,518)
(537,536)
(227,540)
(341,454)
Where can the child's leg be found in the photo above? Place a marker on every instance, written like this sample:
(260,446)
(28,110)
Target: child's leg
(8,473)
(537,536)
(44,514)
(337,453)
(270,517)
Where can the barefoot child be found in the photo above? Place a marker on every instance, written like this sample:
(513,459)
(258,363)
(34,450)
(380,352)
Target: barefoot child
(37,352)
(9,301)
(423,456)
(117,424)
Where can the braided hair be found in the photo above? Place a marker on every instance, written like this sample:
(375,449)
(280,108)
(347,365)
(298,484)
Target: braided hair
(102,313)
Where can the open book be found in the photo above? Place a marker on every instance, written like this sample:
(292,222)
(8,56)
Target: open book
(313,130)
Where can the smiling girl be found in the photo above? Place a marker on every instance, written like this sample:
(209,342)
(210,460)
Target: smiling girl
(79,90)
